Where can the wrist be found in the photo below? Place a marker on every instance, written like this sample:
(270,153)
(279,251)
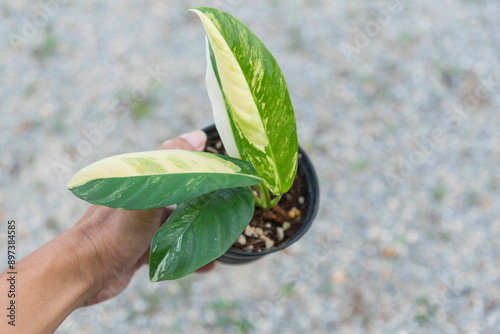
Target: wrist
(87,256)
(57,278)
(110,245)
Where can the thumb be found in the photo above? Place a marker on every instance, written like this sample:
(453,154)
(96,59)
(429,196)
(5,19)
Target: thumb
(193,141)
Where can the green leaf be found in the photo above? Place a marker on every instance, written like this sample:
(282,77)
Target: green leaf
(147,180)
(252,108)
(199,231)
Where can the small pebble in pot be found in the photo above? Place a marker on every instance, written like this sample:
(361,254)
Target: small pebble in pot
(211,150)
(280,232)
(249,248)
(269,242)
(268,225)
(301,200)
(242,240)
(294,213)
(286,226)
(218,145)
(258,232)
(249,231)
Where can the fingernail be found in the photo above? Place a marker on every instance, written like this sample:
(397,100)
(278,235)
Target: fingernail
(197,139)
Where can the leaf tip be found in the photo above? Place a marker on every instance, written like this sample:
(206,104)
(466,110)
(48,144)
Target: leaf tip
(152,279)
(71,184)
(193,9)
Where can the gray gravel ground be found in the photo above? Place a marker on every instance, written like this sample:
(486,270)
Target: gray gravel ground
(398,117)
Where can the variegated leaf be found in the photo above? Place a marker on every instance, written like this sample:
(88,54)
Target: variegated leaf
(253,105)
(199,231)
(223,123)
(146,180)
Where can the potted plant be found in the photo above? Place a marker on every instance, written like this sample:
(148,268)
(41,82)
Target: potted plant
(256,124)
(286,222)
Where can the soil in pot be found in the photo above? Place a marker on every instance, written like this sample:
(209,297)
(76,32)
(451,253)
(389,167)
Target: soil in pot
(270,229)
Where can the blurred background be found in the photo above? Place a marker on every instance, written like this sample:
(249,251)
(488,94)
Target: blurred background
(396,102)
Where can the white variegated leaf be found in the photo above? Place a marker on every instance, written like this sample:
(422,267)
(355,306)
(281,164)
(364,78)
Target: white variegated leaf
(258,106)
(221,117)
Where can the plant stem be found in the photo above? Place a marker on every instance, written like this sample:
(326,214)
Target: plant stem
(263,199)
(258,202)
(275,201)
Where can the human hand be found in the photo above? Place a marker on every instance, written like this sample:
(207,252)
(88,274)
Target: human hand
(87,264)
(122,238)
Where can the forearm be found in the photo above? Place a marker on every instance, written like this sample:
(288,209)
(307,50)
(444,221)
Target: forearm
(50,284)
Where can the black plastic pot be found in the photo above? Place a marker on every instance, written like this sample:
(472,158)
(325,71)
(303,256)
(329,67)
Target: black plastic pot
(310,183)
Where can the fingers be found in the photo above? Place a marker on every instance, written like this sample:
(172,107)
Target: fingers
(144,258)
(193,141)
(206,268)
(167,211)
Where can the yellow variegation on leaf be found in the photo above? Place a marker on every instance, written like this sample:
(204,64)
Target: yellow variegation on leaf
(252,107)
(145,180)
